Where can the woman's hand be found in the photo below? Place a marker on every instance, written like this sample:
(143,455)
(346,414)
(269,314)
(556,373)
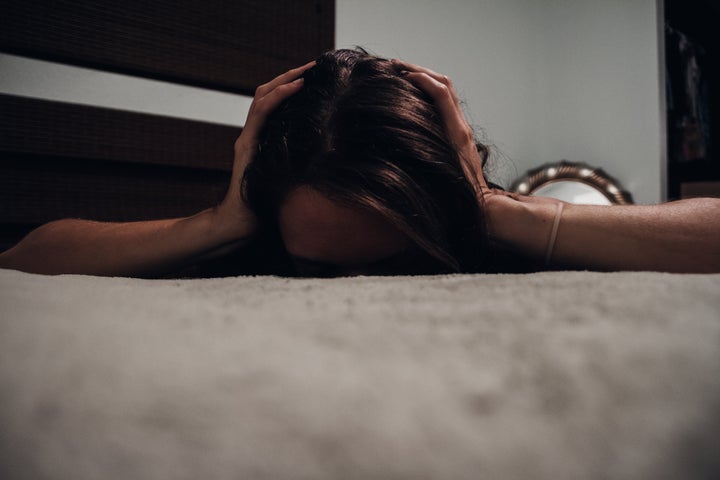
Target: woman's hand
(232,214)
(498,205)
(440,88)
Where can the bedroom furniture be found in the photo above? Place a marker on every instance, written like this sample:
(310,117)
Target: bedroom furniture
(546,376)
(218,44)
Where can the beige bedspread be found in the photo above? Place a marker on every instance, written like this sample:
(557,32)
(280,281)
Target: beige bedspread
(566,375)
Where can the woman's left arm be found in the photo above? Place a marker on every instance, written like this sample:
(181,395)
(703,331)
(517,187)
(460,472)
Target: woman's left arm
(682,236)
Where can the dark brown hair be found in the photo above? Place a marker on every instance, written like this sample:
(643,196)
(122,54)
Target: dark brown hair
(364,136)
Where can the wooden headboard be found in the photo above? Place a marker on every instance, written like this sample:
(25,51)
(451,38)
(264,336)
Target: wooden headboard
(62,160)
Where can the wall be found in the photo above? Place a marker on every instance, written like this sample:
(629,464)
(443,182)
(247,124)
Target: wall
(52,81)
(547,80)
(601,93)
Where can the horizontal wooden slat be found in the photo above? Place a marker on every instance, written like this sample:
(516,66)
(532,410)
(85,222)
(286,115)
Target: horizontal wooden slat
(35,190)
(42,127)
(219,44)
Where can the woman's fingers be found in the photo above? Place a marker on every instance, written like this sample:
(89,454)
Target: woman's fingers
(286,77)
(261,107)
(268,96)
(457,127)
(440,89)
(444,79)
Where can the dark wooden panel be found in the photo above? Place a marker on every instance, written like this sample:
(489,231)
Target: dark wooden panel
(219,44)
(42,127)
(60,160)
(34,190)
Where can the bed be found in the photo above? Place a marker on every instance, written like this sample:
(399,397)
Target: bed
(554,375)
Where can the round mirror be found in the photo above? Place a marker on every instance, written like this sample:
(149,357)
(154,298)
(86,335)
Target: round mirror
(574,183)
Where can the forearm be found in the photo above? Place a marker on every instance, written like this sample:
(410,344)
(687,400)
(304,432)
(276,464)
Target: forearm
(120,249)
(674,237)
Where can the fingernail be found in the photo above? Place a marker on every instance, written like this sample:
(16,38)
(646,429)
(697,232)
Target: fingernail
(404,72)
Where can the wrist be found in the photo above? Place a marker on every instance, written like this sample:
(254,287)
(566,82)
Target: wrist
(227,226)
(521,223)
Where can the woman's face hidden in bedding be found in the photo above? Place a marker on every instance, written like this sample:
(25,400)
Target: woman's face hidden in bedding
(325,238)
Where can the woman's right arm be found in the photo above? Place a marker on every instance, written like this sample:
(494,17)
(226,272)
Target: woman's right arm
(123,249)
(156,246)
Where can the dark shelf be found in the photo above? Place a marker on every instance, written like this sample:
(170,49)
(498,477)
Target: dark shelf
(697,20)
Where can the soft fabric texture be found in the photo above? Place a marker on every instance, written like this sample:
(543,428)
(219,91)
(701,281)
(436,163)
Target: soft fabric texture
(558,375)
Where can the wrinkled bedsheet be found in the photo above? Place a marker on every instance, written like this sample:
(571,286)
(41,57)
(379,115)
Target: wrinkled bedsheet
(556,375)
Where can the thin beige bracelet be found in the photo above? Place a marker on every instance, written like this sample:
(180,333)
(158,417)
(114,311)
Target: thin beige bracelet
(553,234)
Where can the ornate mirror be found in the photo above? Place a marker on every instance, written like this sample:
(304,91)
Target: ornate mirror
(572,182)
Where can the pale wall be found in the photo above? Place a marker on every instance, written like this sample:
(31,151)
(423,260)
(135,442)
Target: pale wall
(52,81)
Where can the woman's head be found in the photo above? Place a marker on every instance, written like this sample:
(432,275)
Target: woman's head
(355,172)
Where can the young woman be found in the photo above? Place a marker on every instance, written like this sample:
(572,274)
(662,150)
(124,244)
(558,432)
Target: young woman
(359,165)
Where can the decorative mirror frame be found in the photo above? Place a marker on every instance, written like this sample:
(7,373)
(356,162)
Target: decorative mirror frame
(574,171)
